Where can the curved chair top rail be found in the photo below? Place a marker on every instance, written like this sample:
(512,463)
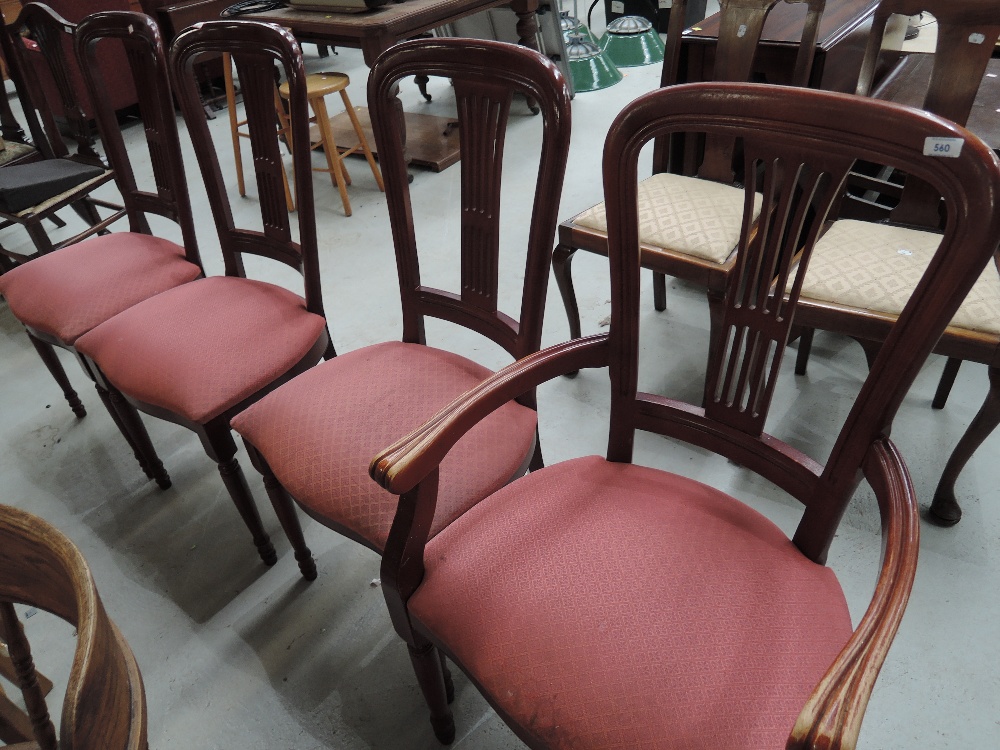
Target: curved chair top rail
(147,59)
(256,48)
(799,145)
(486,75)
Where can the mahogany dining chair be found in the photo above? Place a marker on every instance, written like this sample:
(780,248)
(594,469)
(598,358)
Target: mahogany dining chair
(690,213)
(597,603)
(200,353)
(33,192)
(63,295)
(104,707)
(864,269)
(312,438)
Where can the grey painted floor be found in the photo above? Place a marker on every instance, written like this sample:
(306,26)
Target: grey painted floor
(235,654)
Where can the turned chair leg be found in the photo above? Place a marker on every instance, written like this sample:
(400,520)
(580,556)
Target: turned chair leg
(945,509)
(221,448)
(134,431)
(49,356)
(946,382)
(428,666)
(284,509)
(562,267)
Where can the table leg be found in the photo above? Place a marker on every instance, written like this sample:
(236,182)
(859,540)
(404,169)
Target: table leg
(527,29)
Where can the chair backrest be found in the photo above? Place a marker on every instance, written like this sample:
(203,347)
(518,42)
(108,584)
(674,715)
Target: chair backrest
(256,48)
(798,145)
(967,33)
(741,23)
(147,61)
(37,24)
(485,76)
(105,706)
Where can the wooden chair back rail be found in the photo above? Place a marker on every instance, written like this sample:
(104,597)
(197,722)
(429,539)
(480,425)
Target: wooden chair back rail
(148,61)
(780,133)
(255,56)
(104,707)
(483,108)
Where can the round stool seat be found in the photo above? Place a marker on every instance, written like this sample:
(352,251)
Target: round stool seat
(320,84)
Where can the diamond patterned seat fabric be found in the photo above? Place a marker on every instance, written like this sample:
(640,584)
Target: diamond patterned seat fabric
(877,266)
(688,215)
(203,347)
(319,432)
(66,294)
(632,608)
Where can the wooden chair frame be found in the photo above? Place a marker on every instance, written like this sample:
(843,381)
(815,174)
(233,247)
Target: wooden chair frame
(53,34)
(959,68)
(485,76)
(781,127)
(255,49)
(105,705)
(742,23)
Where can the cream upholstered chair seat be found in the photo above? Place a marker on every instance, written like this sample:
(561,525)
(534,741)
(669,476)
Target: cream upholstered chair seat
(688,215)
(876,267)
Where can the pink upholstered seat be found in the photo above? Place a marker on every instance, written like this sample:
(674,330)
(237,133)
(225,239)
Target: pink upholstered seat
(68,293)
(632,608)
(320,430)
(218,341)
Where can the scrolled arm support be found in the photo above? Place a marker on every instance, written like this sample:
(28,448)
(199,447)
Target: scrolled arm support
(401,466)
(831,719)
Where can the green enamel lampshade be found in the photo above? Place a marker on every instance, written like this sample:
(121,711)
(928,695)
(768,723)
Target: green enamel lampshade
(571,25)
(631,41)
(589,66)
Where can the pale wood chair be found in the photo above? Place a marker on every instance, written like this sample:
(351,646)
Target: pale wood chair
(104,707)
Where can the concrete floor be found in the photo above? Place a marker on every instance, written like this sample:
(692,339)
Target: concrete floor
(235,654)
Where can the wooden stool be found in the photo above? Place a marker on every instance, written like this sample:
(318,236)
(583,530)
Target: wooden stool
(318,85)
(235,124)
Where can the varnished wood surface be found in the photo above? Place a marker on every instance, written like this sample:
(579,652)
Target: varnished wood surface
(907,84)
(431,141)
(784,24)
(376,30)
(840,46)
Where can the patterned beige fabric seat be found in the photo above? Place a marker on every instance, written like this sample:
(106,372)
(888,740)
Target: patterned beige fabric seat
(687,215)
(877,266)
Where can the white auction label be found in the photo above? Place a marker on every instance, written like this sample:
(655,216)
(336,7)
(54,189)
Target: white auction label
(666,4)
(617,6)
(950,147)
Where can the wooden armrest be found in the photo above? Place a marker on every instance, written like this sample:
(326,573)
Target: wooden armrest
(831,719)
(404,464)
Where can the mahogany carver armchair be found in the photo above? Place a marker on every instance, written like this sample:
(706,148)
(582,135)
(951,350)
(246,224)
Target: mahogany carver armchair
(61,296)
(863,272)
(313,438)
(202,352)
(690,212)
(33,192)
(597,603)
(104,707)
